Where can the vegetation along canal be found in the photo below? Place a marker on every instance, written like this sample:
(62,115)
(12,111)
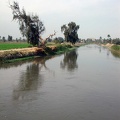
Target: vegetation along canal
(83,84)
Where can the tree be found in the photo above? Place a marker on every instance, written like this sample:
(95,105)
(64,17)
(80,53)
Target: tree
(109,38)
(108,35)
(9,38)
(3,38)
(100,39)
(30,25)
(70,32)
(44,41)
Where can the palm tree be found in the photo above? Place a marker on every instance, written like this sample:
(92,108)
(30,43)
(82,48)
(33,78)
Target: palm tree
(108,35)
(100,39)
(109,38)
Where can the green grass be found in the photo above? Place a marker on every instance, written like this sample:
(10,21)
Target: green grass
(7,46)
(116,47)
(50,44)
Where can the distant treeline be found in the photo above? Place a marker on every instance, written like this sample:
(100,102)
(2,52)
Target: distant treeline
(11,39)
(61,40)
(112,41)
(102,41)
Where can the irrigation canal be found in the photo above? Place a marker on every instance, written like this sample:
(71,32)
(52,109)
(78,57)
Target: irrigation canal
(83,84)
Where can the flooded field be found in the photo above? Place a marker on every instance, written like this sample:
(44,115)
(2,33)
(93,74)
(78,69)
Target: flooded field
(83,84)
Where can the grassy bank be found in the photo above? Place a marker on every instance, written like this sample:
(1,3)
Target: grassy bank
(112,46)
(13,55)
(115,50)
(116,47)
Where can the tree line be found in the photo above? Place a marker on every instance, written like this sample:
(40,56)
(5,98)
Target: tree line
(11,39)
(109,40)
(32,27)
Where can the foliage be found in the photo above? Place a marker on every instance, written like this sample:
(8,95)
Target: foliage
(30,25)
(116,41)
(108,36)
(109,39)
(9,38)
(113,41)
(3,38)
(58,40)
(70,32)
(63,47)
(100,38)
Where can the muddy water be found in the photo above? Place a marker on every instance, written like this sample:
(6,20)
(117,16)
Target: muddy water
(79,85)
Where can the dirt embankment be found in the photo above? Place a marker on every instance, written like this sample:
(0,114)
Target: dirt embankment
(24,52)
(113,48)
(108,45)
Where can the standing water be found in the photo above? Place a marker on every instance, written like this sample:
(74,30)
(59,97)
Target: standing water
(83,84)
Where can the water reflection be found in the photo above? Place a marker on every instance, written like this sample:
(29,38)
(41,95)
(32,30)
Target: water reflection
(14,64)
(108,52)
(30,80)
(70,61)
(30,92)
(115,54)
(100,49)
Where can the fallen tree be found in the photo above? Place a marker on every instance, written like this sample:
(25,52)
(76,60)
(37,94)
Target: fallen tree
(44,41)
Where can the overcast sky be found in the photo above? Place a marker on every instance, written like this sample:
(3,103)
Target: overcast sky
(95,17)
